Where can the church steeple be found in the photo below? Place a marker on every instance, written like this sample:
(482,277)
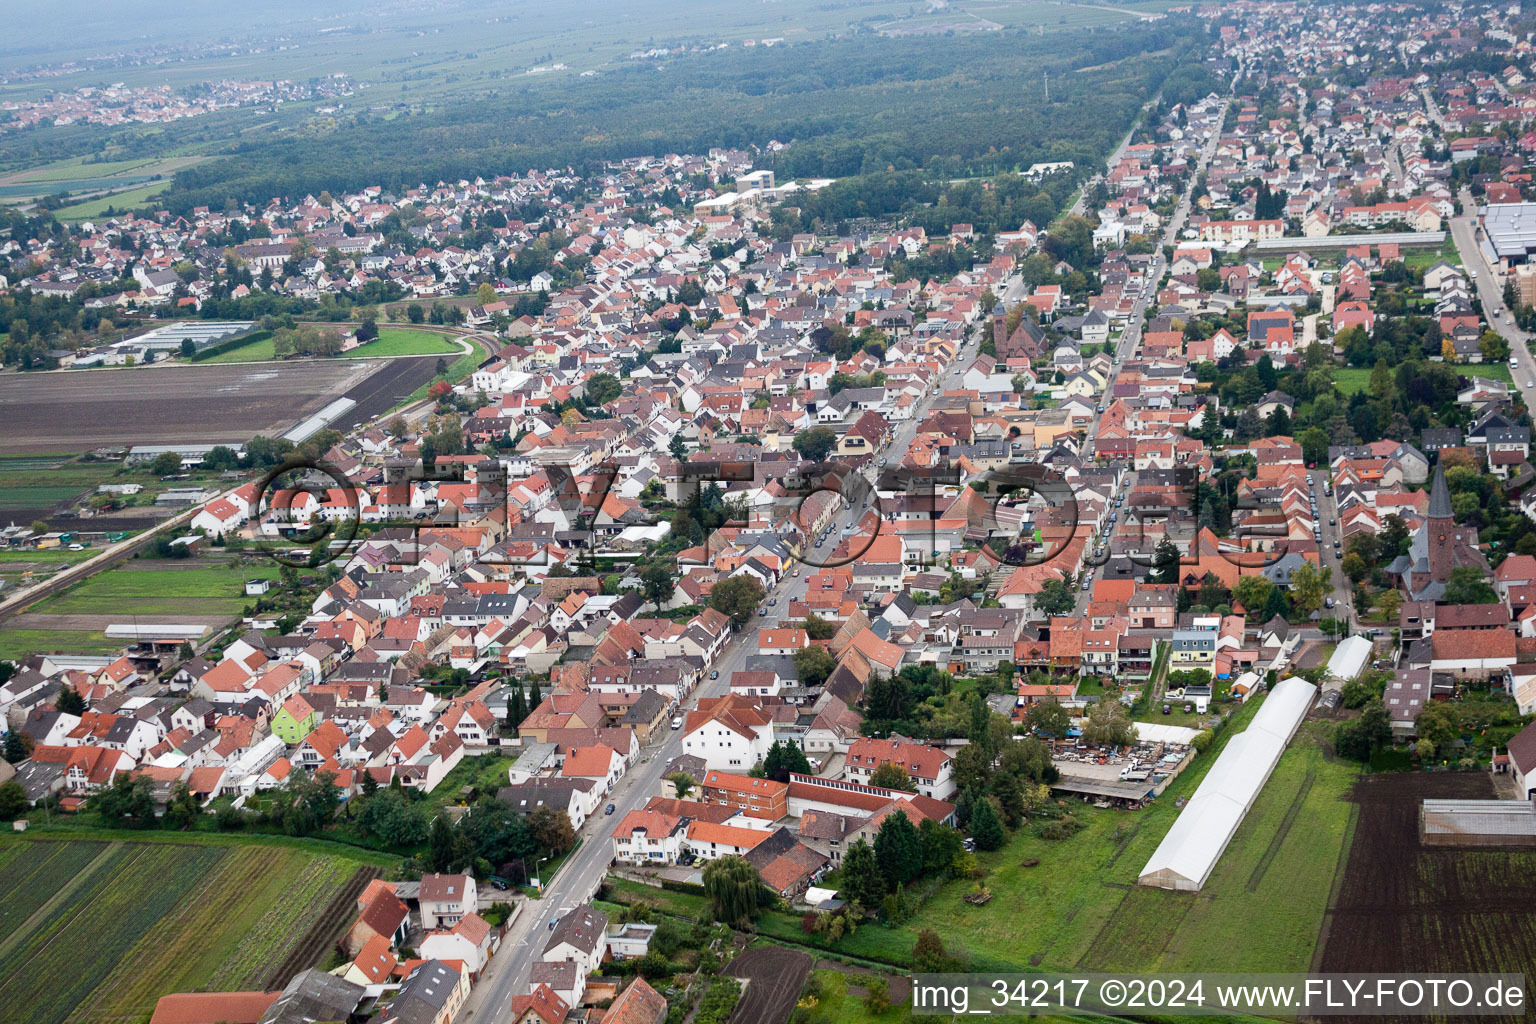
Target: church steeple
(1439,496)
(1440,529)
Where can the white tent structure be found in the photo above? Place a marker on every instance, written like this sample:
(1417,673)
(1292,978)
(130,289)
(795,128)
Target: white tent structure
(1349,659)
(1185,857)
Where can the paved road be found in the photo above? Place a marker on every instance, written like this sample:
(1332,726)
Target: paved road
(507,974)
(1490,292)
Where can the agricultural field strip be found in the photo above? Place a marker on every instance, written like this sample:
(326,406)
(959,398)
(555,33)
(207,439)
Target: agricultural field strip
(203,917)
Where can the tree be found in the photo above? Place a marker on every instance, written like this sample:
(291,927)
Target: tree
(1252,592)
(1048,718)
(818,628)
(68,702)
(128,803)
(973,766)
(877,995)
(783,759)
(1469,585)
(862,881)
(1354,567)
(1108,725)
(13,801)
(891,775)
(682,782)
(898,850)
(737,597)
(1055,598)
(1357,739)
(485,294)
(1389,604)
(816,444)
(1314,443)
(929,955)
(603,388)
(813,665)
(1165,562)
(677,447)
(414,313)
(657,584)
(1439,723)
(552,829)
(394,819)
(440,854)
(165,464)
(888,698)
(987,827)
(941,845)
(221,459)
(733,889)
(1309,585)
(16,746)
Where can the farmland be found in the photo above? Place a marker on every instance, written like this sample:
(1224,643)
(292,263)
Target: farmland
(165,405)
(1079,906)
(1407,908)
(158,917)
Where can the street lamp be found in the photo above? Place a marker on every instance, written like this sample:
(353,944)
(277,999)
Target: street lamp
(540,878)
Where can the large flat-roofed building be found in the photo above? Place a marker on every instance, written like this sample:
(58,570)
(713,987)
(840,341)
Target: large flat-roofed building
(1511,232)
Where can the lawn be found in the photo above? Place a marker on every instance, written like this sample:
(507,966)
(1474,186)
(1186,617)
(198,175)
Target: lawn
(156,917)
(402,341)
(392,342)
(145,588)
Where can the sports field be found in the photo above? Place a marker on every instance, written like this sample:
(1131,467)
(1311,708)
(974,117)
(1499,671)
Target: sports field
(159,917)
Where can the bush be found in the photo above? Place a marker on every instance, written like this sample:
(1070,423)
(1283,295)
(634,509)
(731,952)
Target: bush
(1061,828)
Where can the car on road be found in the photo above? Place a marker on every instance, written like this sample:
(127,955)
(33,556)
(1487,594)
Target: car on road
(772,601)
(761,612)
(796,574)
(1327,602)
(715,674)
(677,723)
(609,809)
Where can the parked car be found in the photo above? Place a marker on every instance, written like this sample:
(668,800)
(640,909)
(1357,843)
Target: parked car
(677,723)
(772,601)
(608,809)
(1327,602)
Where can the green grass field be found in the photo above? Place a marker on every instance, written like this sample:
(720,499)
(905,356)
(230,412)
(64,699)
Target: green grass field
(135,587)
(1080,907)
(402,341)
(156,918)
(391,342)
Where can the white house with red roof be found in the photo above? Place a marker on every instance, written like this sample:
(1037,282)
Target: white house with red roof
(929,767)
